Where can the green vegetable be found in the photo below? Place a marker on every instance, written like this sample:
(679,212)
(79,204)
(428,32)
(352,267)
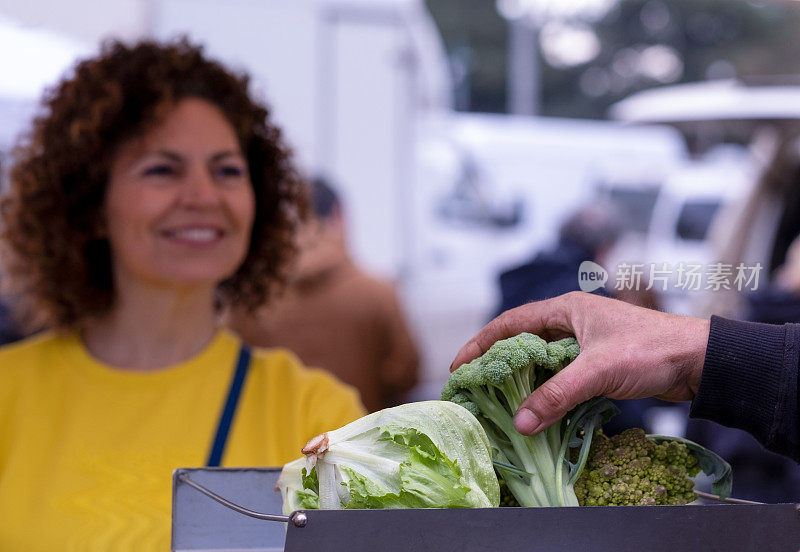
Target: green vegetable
(637,469)
(299,489)
(630,469)
(536,469)
(563,466)
(708,462)
(420,455)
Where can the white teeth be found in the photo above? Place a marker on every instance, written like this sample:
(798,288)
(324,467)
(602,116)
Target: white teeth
(196,234)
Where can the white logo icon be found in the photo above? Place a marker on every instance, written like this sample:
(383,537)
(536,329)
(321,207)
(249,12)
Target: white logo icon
(591,276)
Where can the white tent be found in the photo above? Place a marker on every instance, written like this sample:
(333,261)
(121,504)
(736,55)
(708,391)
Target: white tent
(718,100)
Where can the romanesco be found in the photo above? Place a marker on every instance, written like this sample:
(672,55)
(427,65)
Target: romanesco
(630,469)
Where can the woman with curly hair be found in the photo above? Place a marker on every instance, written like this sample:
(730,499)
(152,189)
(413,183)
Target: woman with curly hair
(151,192)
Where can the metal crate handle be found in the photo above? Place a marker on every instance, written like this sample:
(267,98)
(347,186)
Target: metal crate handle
(728,500)
(298,518)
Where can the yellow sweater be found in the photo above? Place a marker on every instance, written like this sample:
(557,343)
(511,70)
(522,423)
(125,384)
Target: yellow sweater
(87,451)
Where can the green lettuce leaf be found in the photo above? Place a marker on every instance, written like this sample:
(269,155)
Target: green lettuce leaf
(431,454)
(428,479)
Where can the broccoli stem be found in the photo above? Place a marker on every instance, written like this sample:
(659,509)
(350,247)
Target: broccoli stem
(534,453)
(554,438)
(493,387)
(517,392)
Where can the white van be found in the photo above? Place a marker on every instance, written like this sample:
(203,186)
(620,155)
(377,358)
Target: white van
(720,175)
(689,202)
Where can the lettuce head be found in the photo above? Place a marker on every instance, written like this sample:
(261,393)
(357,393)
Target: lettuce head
(431,454)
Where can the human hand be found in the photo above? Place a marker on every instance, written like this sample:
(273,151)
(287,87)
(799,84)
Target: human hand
(627,352)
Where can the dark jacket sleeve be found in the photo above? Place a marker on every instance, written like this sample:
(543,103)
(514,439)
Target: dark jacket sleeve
(750,382)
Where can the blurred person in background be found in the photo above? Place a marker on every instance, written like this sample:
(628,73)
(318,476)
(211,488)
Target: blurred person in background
(589,234)
(335,316)
(151,191)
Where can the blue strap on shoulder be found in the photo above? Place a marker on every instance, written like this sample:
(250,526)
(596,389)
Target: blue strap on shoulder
(226,419)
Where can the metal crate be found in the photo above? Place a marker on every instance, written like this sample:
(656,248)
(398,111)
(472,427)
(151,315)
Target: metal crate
(200,523)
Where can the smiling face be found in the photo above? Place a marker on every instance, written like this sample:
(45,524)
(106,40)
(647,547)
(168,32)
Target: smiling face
(179,204)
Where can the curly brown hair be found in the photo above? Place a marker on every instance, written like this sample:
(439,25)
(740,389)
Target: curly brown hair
(56,259)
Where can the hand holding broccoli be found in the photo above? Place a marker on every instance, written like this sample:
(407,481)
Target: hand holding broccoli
(627,352)
(571,462)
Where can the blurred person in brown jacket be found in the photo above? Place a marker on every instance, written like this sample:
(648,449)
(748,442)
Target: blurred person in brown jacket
(335,316)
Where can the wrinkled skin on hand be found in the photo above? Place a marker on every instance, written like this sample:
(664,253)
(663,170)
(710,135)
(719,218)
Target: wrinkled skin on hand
(627,352)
